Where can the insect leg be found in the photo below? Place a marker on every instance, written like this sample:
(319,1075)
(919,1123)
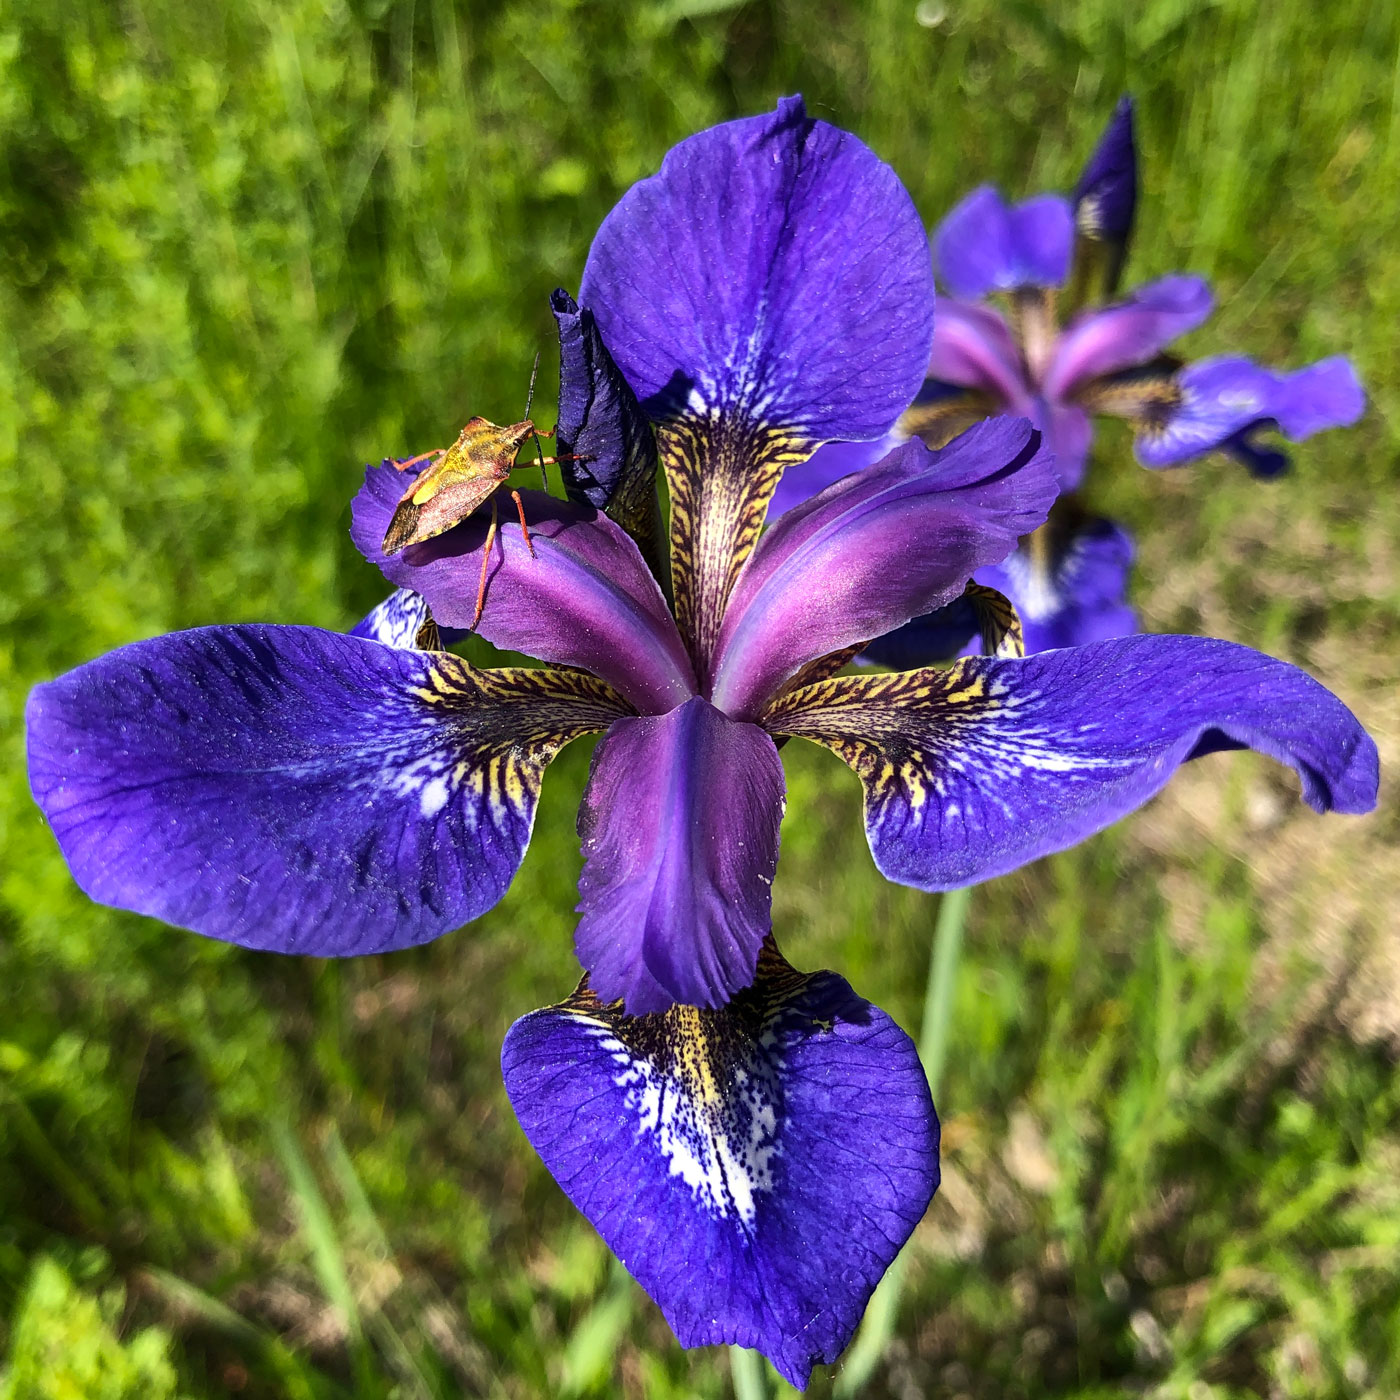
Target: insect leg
(567,457)
(421,457)
(485,560)
(524,528)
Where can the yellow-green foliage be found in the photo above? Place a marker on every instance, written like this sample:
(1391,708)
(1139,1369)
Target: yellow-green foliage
(64,1346)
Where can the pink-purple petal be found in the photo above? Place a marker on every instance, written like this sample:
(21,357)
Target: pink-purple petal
(1069,433)
(1127,334)
(756,1168)
(895,541)
(680,826)
(986,245)
(297,790)
(973,347)
(972,771)
(585,597)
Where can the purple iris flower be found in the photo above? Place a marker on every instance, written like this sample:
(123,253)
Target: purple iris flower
(1032,325)
(754,1143)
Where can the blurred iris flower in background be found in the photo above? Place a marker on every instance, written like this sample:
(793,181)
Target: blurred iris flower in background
(754,1143)
(1033,325)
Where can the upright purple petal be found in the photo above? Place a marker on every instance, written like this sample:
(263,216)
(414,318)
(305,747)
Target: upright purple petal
(1128,334)
(680,841)
(972,771)
(986,245)
(756,1168)
(1105,199)
(774,268)
(869,553)
(1222,398)
(767,290)
(602,427)
(584,597)
(298,790)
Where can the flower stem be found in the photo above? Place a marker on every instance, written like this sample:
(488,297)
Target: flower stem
(746,1372)
(881,1315)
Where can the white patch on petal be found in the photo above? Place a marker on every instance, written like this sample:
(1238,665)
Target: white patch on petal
(718,1134)
(432,797)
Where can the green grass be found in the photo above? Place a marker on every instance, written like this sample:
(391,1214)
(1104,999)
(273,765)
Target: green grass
(247,248)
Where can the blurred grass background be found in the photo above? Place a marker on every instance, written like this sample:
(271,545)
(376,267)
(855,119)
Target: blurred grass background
(247,247)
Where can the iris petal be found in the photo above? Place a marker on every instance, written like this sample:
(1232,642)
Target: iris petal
(602,426)
(396,622)
(973,348)
(826,466)
(986,245)
(1127,334)
(897,540)
(583,597)
(756,1168)
(769,289)
(680,841)
(977,769)
(1105,197)
(1068,583)
(298,790)
(1071,586)
(1105,201)
(1219,399)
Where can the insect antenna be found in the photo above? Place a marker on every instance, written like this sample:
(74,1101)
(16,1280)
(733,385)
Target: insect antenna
(529,399)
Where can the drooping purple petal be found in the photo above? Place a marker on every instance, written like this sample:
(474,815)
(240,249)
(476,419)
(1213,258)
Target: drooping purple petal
(972,771)
(601,423)
(585,597)
(986,245)
(973,347)
(756,1168)
(1105,199)
(1068,583)
(769,289)
(1070,588)
(1223,398)
(680,841)
(869,553)
(298,790)
(1130,333)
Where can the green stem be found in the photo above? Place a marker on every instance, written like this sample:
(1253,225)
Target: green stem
(746,1371)
(883,1312)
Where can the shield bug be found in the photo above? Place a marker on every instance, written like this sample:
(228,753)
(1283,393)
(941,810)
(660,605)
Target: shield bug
(461,478)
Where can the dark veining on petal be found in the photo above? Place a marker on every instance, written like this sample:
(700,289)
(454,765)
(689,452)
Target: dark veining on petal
(722,472)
